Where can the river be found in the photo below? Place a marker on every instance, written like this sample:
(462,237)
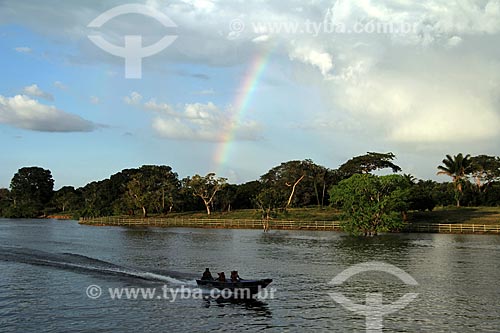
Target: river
(47,267)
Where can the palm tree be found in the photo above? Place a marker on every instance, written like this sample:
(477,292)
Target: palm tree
(457,167)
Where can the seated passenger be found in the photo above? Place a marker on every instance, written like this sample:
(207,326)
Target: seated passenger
(234,276)
(207,275)
(222,277)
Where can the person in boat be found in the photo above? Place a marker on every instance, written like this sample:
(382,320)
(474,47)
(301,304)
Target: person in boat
(207,275)
(222,277)
(234,276)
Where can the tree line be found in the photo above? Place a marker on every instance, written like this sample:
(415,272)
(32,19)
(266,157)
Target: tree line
(157,189)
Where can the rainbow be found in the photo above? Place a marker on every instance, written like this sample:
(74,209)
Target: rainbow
(242,100)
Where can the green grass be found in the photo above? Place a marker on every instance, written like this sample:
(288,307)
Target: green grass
(454,215)
(295,214)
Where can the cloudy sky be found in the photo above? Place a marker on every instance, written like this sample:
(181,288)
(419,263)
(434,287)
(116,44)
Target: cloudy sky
(246,85)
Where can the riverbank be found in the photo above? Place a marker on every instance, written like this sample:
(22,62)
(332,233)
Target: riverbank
(449,220)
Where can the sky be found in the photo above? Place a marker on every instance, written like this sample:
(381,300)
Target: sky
(237,87)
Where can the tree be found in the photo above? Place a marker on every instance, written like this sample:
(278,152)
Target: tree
(457,167)
(298,181)
(422,195)
(321,178)
(371,204)
(66,198)
(31,189)
(5,201)
(484,170)
(246,194)
(226,197)
(153,188)
(206,188)
(367,163)
(268,200)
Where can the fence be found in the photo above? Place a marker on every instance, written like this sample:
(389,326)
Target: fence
(278,224)
(213,223)
(454,228)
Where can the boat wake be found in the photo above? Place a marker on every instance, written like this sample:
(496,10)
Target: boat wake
(87,265)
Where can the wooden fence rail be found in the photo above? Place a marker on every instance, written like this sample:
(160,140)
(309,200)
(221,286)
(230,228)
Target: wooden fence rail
(211,223)
(455,228)
(278,224)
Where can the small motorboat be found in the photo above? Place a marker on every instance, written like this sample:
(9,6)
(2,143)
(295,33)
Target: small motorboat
(241,288)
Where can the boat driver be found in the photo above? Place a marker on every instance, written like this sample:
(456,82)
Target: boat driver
(207,275)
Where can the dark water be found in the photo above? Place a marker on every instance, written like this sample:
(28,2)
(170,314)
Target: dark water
(46,267)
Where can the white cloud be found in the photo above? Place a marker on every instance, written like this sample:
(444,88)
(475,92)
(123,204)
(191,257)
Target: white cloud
(94,100)
(432,20)
(261,39)
(134,98)
(60,85)
(317,58)
(162,107)
(35,91)
(454,41)
(23,49)
(204,5)
(23,112)
(439,84)
(432,101)
(464,16)
(201,122)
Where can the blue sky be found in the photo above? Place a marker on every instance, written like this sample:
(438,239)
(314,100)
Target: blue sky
(65,104)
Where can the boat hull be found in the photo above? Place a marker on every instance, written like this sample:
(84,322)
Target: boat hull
(242,287)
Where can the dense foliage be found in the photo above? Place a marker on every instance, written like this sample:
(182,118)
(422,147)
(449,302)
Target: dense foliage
(31,189)
(371,204)
(153,190)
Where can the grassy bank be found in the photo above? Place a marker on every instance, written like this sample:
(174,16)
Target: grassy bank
(462,215)
(446,215)
(452,215)
(295,214)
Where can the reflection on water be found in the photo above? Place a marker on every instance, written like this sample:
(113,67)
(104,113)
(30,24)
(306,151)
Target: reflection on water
(47,265)
(259,308)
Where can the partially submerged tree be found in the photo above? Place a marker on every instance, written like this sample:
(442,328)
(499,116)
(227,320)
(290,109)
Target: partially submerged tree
(268,200)
(371,204)
(206,188)
(457,167)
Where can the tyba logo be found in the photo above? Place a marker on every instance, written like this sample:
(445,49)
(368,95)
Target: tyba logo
(373,309)
(133,51)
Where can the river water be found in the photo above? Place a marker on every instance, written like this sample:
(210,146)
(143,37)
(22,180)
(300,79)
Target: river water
(47,266)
